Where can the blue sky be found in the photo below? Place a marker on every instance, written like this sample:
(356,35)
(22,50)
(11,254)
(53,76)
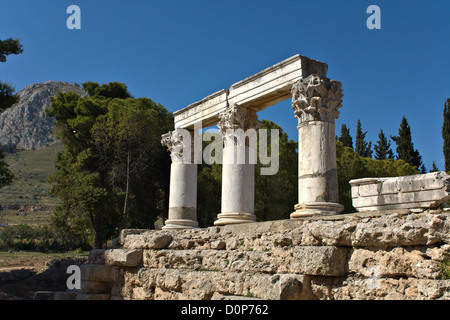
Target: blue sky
(177,52)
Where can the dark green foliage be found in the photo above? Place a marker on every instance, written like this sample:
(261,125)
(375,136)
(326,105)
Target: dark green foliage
(362,148)
(382,148)
(352,166)
(276,195)
(405,146)
(345,137)
(107,90)
(6,177)
(434,168)
(99,189)
(446,134)
(7,47)
(7,99)
(44,239)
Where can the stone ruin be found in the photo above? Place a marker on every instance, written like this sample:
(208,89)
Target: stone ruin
(389,249)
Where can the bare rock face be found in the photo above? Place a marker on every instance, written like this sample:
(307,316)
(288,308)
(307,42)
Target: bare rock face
(25,125)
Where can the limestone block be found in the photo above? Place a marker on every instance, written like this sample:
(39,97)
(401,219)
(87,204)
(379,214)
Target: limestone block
(95,286)
(418,191)
(397,262)
(148,240)
(323,260)
(116,257)
(95,272)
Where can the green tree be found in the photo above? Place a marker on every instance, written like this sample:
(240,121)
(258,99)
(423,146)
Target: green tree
(128,138)
(8,47)
(382,148)
(446,134)
(270,202)
(345,137)
(362,147)
(405,146)
(352,166)
(434,168)
(113,170)
(7,99)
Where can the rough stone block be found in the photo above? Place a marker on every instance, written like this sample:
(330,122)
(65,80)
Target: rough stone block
(116,257)
(148,240)
(96,272)
(320,260)
(95,287)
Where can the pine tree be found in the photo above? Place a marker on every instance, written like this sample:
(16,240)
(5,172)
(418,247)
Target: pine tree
(345,137)
(405,147)
(7,47)
(382,148)
(362,148)
(446,134)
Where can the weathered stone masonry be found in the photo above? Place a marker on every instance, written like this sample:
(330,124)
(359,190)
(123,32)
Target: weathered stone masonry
(394,255)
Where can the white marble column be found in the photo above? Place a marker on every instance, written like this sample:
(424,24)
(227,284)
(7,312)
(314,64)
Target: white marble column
(183,181)
(238,171)
(316,101)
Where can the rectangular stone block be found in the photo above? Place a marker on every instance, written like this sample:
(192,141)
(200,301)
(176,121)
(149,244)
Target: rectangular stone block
(95,287)
(205,110)
(320,260)
(417,191)
(95,272)
(116,257)
(273,84)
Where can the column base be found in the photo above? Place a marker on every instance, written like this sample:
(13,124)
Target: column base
(316,208)
(234,218)
(180,224)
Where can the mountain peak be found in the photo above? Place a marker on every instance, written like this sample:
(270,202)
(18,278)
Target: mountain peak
(24,125)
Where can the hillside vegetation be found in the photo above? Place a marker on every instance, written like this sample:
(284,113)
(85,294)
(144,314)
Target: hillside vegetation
(27,200)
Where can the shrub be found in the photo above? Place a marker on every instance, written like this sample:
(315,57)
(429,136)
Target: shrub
(43,239)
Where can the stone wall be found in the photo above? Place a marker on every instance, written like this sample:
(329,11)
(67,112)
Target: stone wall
(384,255)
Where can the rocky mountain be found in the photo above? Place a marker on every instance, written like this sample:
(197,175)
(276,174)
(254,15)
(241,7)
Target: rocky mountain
(24,125)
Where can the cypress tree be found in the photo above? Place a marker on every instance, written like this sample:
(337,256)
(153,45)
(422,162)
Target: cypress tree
(362,148)
(345,137)
(446,134)
(405,147)
(434,168)
(382,148)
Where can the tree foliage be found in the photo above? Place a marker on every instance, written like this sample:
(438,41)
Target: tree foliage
(8,47)
(382,148)
(446,134)
(352,166)
(7,99)
(345,137)
(113,172)
(405,146)
(362,147)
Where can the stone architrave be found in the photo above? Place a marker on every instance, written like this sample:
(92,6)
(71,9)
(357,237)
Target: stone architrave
(408,192)
(238,174)
(183,181)
(315,101)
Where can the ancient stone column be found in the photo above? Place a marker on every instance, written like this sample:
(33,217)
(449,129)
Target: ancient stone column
(238,168)
(183,181)
(316,101)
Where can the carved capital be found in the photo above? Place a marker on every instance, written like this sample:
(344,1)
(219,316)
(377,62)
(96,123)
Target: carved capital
(316,98)
(179,144)
(235,118)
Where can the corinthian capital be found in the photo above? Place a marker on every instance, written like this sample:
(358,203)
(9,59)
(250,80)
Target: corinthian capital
(316,98)
(179,144)
(235,118)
